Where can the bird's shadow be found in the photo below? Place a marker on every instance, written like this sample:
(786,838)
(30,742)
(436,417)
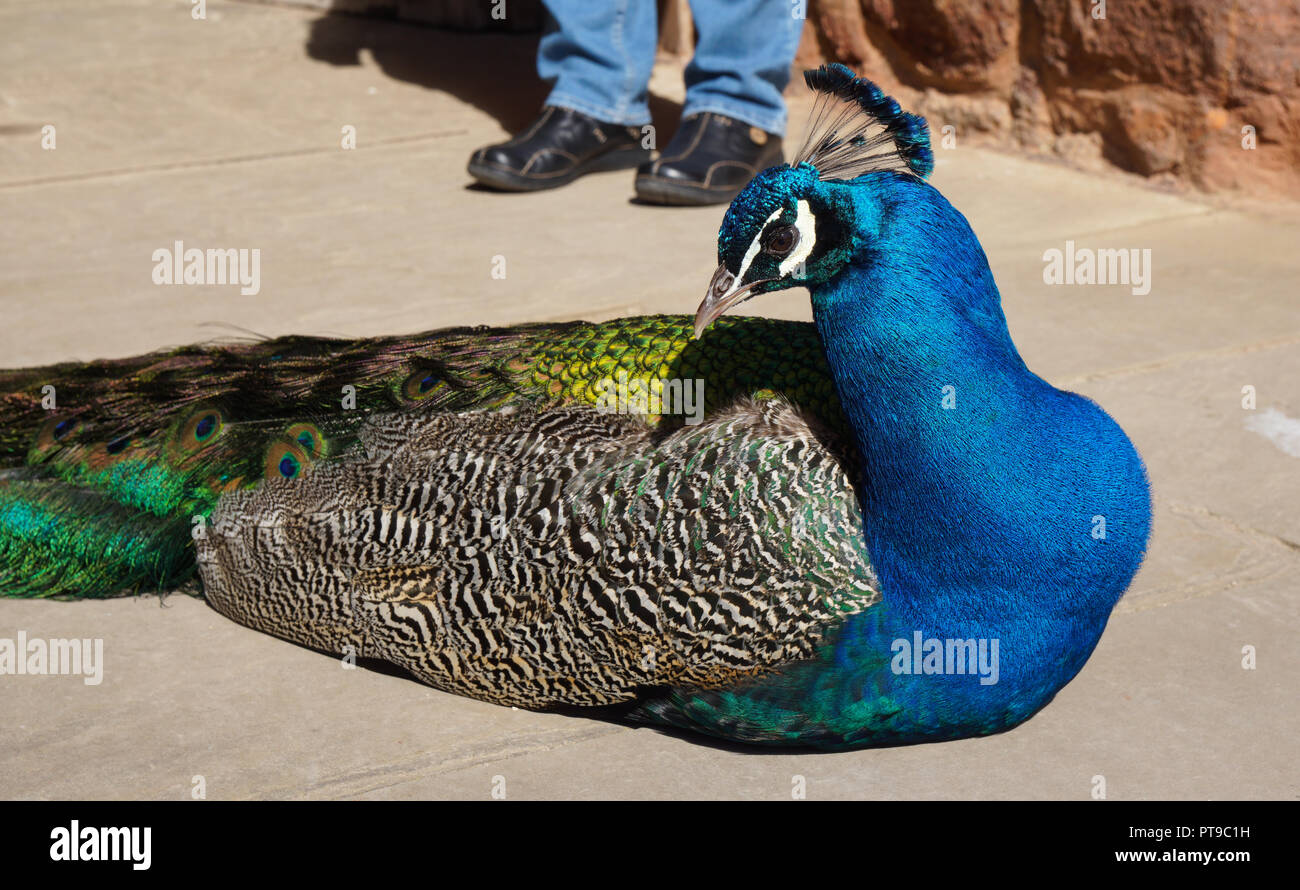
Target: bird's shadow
(623,715)
(613,715)
(616,715)
(494,72)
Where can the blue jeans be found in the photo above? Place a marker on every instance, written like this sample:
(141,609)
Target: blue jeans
(600,52)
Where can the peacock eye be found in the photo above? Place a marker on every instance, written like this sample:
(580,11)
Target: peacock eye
(781,240)
(420,385)
(203,429)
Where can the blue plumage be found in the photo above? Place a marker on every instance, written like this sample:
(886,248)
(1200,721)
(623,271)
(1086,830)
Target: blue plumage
(997,509)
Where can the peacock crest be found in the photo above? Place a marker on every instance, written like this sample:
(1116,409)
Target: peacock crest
(854,128)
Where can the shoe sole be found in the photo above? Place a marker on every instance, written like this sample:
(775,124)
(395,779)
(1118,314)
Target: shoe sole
(510,181)
(659,191)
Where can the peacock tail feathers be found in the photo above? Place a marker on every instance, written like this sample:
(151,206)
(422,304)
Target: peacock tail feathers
(58,539)
(156,441)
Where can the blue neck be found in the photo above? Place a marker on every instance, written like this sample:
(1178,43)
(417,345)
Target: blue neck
(991,500)
(984,495)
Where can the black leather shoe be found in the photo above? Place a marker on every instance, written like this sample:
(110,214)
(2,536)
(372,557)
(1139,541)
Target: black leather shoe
(709,160)
(556,149)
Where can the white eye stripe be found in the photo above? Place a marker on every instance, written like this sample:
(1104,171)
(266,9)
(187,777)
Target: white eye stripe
(806,222)
(755,246)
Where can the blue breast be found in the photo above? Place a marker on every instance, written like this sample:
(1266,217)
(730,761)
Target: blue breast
(999,512)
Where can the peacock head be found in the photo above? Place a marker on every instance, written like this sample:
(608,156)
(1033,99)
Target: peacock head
(798,225)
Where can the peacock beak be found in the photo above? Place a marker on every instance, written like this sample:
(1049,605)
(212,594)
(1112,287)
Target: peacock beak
(722,295)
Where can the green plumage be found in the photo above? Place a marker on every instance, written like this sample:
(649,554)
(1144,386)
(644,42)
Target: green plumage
(100,494)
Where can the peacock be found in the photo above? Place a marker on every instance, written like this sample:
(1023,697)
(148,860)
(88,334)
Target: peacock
(884,528)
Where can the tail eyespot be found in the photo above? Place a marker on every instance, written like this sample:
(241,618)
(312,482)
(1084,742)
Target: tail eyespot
(200,428)
(420,385)
(103,455)
(56,431)
(309,438)
(286,459)
(206,426)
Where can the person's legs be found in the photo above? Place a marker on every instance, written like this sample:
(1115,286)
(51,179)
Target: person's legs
(734,116)
(742,60)
(600,53)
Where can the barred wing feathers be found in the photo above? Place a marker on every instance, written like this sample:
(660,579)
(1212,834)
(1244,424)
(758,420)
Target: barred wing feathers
(558,557)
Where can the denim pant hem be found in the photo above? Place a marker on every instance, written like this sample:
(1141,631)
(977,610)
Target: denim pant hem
(770,123)
(598,57)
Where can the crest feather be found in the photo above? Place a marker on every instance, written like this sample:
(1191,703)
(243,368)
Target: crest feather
(854,128)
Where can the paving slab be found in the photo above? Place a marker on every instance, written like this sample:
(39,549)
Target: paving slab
(228,133)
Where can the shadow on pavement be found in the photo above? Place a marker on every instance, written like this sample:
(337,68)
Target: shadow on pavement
(493,72)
